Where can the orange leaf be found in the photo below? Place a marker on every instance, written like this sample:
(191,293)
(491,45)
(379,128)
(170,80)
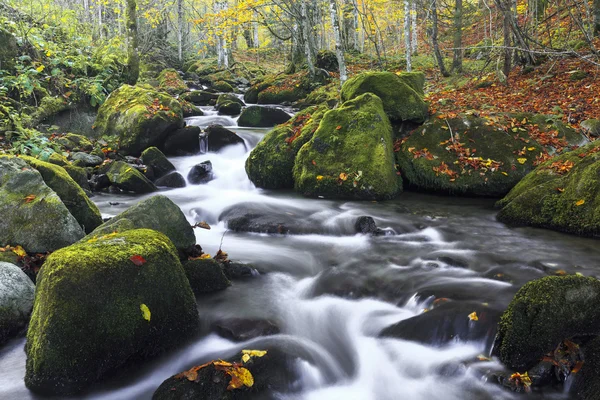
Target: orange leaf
(138,260)
(337,128)
(29,198)
(580,202)
(314,162)
(560,189)
(343,176)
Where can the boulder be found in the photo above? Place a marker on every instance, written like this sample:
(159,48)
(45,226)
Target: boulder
(591,127)
(242,329)
(200,173)
(71,194)
(103,302)
(172,180)
(58,159)
(79,175)
(169,80)
(9,50)
(271,162)
(367,226)
(542,314)
(562,193)
(219,137)
(262,117)
(129,179)
(158,213)
(251,95)
(33,215)
(86,160)
(139,117)
(327,60)
(222,86)
(74,142)
(472,156)
(153,157)
(183,142)
(16,300)
(351,154)
(199,97)
(229,108)
(401,101)
(205,275)
(228,98)
(190,110)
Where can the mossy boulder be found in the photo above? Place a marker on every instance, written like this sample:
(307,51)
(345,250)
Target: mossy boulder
(169,80)
(58,159)
(74,142)
(229,97)
(79,175)
(222,86)
(189,109)
(9,49)
(155,159)
(129,179)
(139,117)
(591,127)
(416,80)
(350,155)
(200,97)
(542,314)
(472,156)
(16,300)
(327,60)
(229,108)
(328,95)
(561,194)
(86,160)
(271,162)
(49,106)
(183,142)
(401,101)
(205,275)
(158,213)
(96,309)
(71,194)
(33,215)
(251,95)
(262,117)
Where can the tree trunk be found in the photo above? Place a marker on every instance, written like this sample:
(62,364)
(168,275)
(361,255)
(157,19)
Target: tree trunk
(458,58)
(339,48)
(180,31)
(133,58)
(255,30)
(434,39)
(413,35)
(597,17)
(507,51)
(306,33)
(407,45)
(248,38)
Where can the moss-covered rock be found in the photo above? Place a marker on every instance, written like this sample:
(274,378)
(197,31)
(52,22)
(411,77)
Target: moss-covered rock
(222,86)
(474,156)
(8,49)
(227,98)
(219,137)
(33,215)
(96,309)
(350,154)
(58,159)
(416,80)
(401,101)
(591,127)
(71,194)
(48,107)
(139,117)
(190,110)
(542,314)
(169,80)
(129,179)
(328,95)
(86,159)
(327,60)
(79,175)
(251,95)
(159,163)
(158,213)
(16,300)
(271,162)
(74,142)
(205,275)
(229,108)
(262,117)
(199,97)
(562,194)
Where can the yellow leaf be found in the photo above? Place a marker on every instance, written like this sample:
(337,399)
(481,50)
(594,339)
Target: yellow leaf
(246,358)
(253,353)
(145,312)
(319,177)
(240,377)
(522,160)
(504,173)
(19,251)
(531,148)
(580,202)
(473,316)
(343,176)
(205,256)
(48,53)
(40,68)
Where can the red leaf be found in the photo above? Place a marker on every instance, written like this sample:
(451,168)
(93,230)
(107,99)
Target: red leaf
(138,260)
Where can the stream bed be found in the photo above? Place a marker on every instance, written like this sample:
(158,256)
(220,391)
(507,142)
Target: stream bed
(331,291)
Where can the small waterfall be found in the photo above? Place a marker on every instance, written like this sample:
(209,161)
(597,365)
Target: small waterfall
(203,139)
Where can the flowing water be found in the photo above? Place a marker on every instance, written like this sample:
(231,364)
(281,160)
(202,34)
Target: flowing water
(331,291)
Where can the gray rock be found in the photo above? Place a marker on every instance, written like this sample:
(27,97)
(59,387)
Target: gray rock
(88,160)
(16,299)
(591,127)
(172,180)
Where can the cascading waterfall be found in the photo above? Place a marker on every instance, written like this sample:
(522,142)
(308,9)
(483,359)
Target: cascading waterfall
(203,141)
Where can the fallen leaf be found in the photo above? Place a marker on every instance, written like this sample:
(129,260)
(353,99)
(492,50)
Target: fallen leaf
(240,377)
(18,250)
(138,260)
(560,189)
(145,312)
(201,224)
(337,128)
(205,256)
(522,160)
(580,202)
(577,367)
(504,173)
(30,198)
(319,177)
(343,176)
(473,316)
(314,162)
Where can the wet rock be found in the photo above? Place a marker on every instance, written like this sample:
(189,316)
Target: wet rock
(79,175)
(99,182)
(235,271)
(262,117)
(272,373)
(183,142)
(586,383)
(16,300)
(190,110)
(73,342)
(129,179)
(205,275)
(542,314)
(219,137)
(366,225)
(172,180)
(448,322)
(239,329)
(229,108)
(154,158)
(86,160)
(200,173)
(199,97)
(263,218)
(74,142)
(227,98)
(591,127)
(222,86)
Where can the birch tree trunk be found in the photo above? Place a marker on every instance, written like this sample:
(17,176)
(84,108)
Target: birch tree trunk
(339,48)
(255,30)
(413,34)
(306,34)
(457,60)
(407,43)
(180,30)
(133,58)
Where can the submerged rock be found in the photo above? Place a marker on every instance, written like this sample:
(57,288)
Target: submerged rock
(367,225)
(262,117)
(96,310)
(139,117)
(263,218)
(24,198)
(16,300)
(200,173)
(242,329)
(350,154)
(205,275)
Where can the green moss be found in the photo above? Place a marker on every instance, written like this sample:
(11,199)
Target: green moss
(159,163)
(416,80)
(49,106)
(328,94)
(8,49)
(169,80)
(139,117)
(542,314)
(74,142)
(205,275)
(199,97)
(262,117)
(222,86)
(190,110)
(400,100)
(355,140)
(87,320)
(71,194)
(228,98)
(270,163)
(575,208)
(128,178)
(58,159)
(79,175)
